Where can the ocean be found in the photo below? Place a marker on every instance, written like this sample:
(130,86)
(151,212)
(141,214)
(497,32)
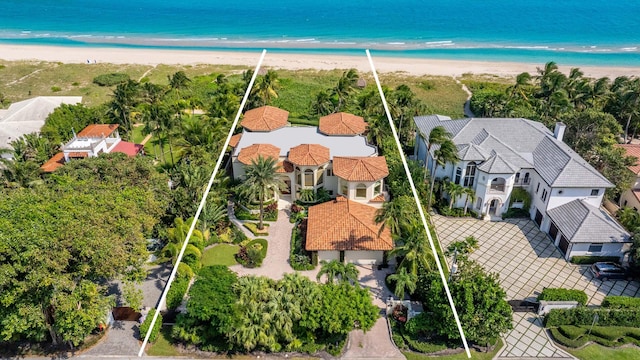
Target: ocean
(572,32)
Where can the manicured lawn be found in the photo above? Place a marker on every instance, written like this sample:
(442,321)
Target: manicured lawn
(598,352)
(221,254)
(460,356)
(162,346)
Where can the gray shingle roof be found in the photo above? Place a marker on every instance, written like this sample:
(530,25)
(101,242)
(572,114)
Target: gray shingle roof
(471,152)
(580,222)
(497,165)
(522,143)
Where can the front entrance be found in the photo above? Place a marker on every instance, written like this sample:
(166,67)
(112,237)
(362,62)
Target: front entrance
(493,206)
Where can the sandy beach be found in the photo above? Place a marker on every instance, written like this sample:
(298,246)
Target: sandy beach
(411,66)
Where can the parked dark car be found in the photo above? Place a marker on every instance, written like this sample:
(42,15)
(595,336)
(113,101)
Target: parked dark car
(609,270)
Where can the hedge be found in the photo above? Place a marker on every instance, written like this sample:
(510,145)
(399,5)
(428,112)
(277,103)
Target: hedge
(584,316)
(144,327)
(253,227)
(551,294)
(299,258)
(588,260)
(621,302)
(177,291)
(563,340)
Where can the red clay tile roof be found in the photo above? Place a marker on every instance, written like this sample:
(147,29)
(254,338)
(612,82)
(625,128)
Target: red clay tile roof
(235,139)
(343,224)
(128,148)
(342,124)
(284,167)
(309,154)
(379,198)
(254,151)
(360,168)
(266,118)
(98,130)
(632,150)
(55,162)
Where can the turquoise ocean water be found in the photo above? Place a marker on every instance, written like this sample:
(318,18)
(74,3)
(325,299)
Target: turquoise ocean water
(586,32)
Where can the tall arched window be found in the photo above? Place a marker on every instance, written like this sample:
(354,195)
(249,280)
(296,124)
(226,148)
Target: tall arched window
(361,191)
(470,174)
(308,177)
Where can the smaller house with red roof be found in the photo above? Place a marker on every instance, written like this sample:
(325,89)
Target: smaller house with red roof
(631,197)
(92,141)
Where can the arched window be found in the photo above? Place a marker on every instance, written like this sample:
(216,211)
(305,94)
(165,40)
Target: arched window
(526,179)
(361,191)
(308,177)
(470,174)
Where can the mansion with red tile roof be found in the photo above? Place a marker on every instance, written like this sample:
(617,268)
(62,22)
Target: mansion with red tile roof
(92,141)
(336,157)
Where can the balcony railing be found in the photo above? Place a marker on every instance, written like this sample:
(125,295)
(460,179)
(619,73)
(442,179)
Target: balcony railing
(522,182)
(496,188)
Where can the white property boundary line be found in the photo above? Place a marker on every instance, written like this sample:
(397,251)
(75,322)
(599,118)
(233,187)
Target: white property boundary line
(418,204)
(202,202)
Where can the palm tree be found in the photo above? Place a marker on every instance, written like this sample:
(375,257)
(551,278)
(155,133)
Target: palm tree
(468,193)
(266,87)
(122,102)
(404,281)
(178,80)
(455,191)
(336,270)
(522,81)
(446,153)
(261,179)
(394,213)
(344,87)
(323,104)
(414,250)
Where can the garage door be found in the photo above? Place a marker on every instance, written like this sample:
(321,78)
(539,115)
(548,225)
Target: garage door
(564,245)
(538,217)
(553,232)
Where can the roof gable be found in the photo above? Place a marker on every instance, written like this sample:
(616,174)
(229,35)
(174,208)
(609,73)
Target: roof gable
(360,168)
(580,222)
(471,152)
(497,165)
(342,224)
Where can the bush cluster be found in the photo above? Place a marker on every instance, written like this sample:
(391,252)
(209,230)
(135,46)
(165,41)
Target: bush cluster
(144,327)
(253,227)
(621,302)
(578,336)
(588,260)
(515,213)
(177,291)
(553,294)
(457,212)
(299,258)
(584,316)
(110,79)
(253,253)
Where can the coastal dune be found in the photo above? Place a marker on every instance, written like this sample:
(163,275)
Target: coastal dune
(385,64)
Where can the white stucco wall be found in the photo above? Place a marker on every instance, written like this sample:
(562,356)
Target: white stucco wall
(363,257)
(617,249)
(629,200)
(328,255)
(561,196)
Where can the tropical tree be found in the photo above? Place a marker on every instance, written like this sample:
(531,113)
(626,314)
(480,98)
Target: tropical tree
(394,214)
(266,87)
(413,248)
(322,104)
(446,153)
(345,86)
(403,281)
(338,271)
(123,100)
(262,180)
(468,193)
(454,190)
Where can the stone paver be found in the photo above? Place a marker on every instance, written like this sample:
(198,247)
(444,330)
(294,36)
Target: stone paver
(527,262)
(374,344)
(120,339)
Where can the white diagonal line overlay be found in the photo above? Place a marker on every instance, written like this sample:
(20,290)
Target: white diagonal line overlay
(418,204)
(202,202)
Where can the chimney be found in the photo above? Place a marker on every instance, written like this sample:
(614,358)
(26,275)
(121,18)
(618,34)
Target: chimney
(558,132)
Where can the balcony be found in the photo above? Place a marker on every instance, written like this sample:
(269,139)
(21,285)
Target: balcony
(496,188)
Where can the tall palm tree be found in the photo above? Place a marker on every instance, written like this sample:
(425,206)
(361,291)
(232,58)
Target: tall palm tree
(446,153)
(323,104)
(124,98)
(404,281)
(455,191)
(414,250)
(345,86)
(468,193)
(261,180)
(336,270)
(394,213)
(266,87)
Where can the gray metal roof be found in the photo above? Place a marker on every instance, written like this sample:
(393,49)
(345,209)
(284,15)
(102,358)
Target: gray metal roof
(471,152)
(522,143)
(580,222)
(291,136)
(497,165)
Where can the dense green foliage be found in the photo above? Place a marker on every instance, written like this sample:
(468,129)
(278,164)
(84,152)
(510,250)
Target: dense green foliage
(144,327)
(87,224)
(621,302)
(552,294)
(587,260)
(293,314)
(253,253)
(613,336)
(299,258)
(584,316)
(177,291)
(110,79)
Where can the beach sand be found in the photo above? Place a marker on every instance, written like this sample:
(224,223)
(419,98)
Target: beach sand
(410,66)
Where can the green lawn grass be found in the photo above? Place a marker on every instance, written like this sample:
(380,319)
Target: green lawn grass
(221,254)
(163,346)
(461,356)
(598,352)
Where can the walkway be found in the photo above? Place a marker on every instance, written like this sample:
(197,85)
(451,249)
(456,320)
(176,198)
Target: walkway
(467,104)
(527,262)
(120,339)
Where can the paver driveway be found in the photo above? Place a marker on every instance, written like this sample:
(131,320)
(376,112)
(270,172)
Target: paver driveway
(527,262)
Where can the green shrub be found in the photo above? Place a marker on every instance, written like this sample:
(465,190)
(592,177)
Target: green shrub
(399,341)
(588,260)
(515,213)
(56,88)
(607,332)
(621,302)
(424,347)
(253,253)
(551,294)
(253,227)
(571,331)
(110,79)
(237,236)
(563,340)
(457,212)
(299,258)
(584,316)
(144,327)
(176,292)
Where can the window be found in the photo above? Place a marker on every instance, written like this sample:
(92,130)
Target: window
(298,177)
(538,188)
(625,203)
(361,191)
(320,176)
(377,188)
(517,180)
(544,195)
(470,175)
(526,179)
(329,172)
(458,175)
(308,177)
(595,192)
(595,248)
(344,188)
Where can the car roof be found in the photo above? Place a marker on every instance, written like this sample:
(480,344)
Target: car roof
(608,266)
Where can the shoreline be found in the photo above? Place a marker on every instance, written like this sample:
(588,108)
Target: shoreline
(277,60)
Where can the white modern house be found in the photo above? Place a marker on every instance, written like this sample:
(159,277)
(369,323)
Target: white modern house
(334,156)
(499,155)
